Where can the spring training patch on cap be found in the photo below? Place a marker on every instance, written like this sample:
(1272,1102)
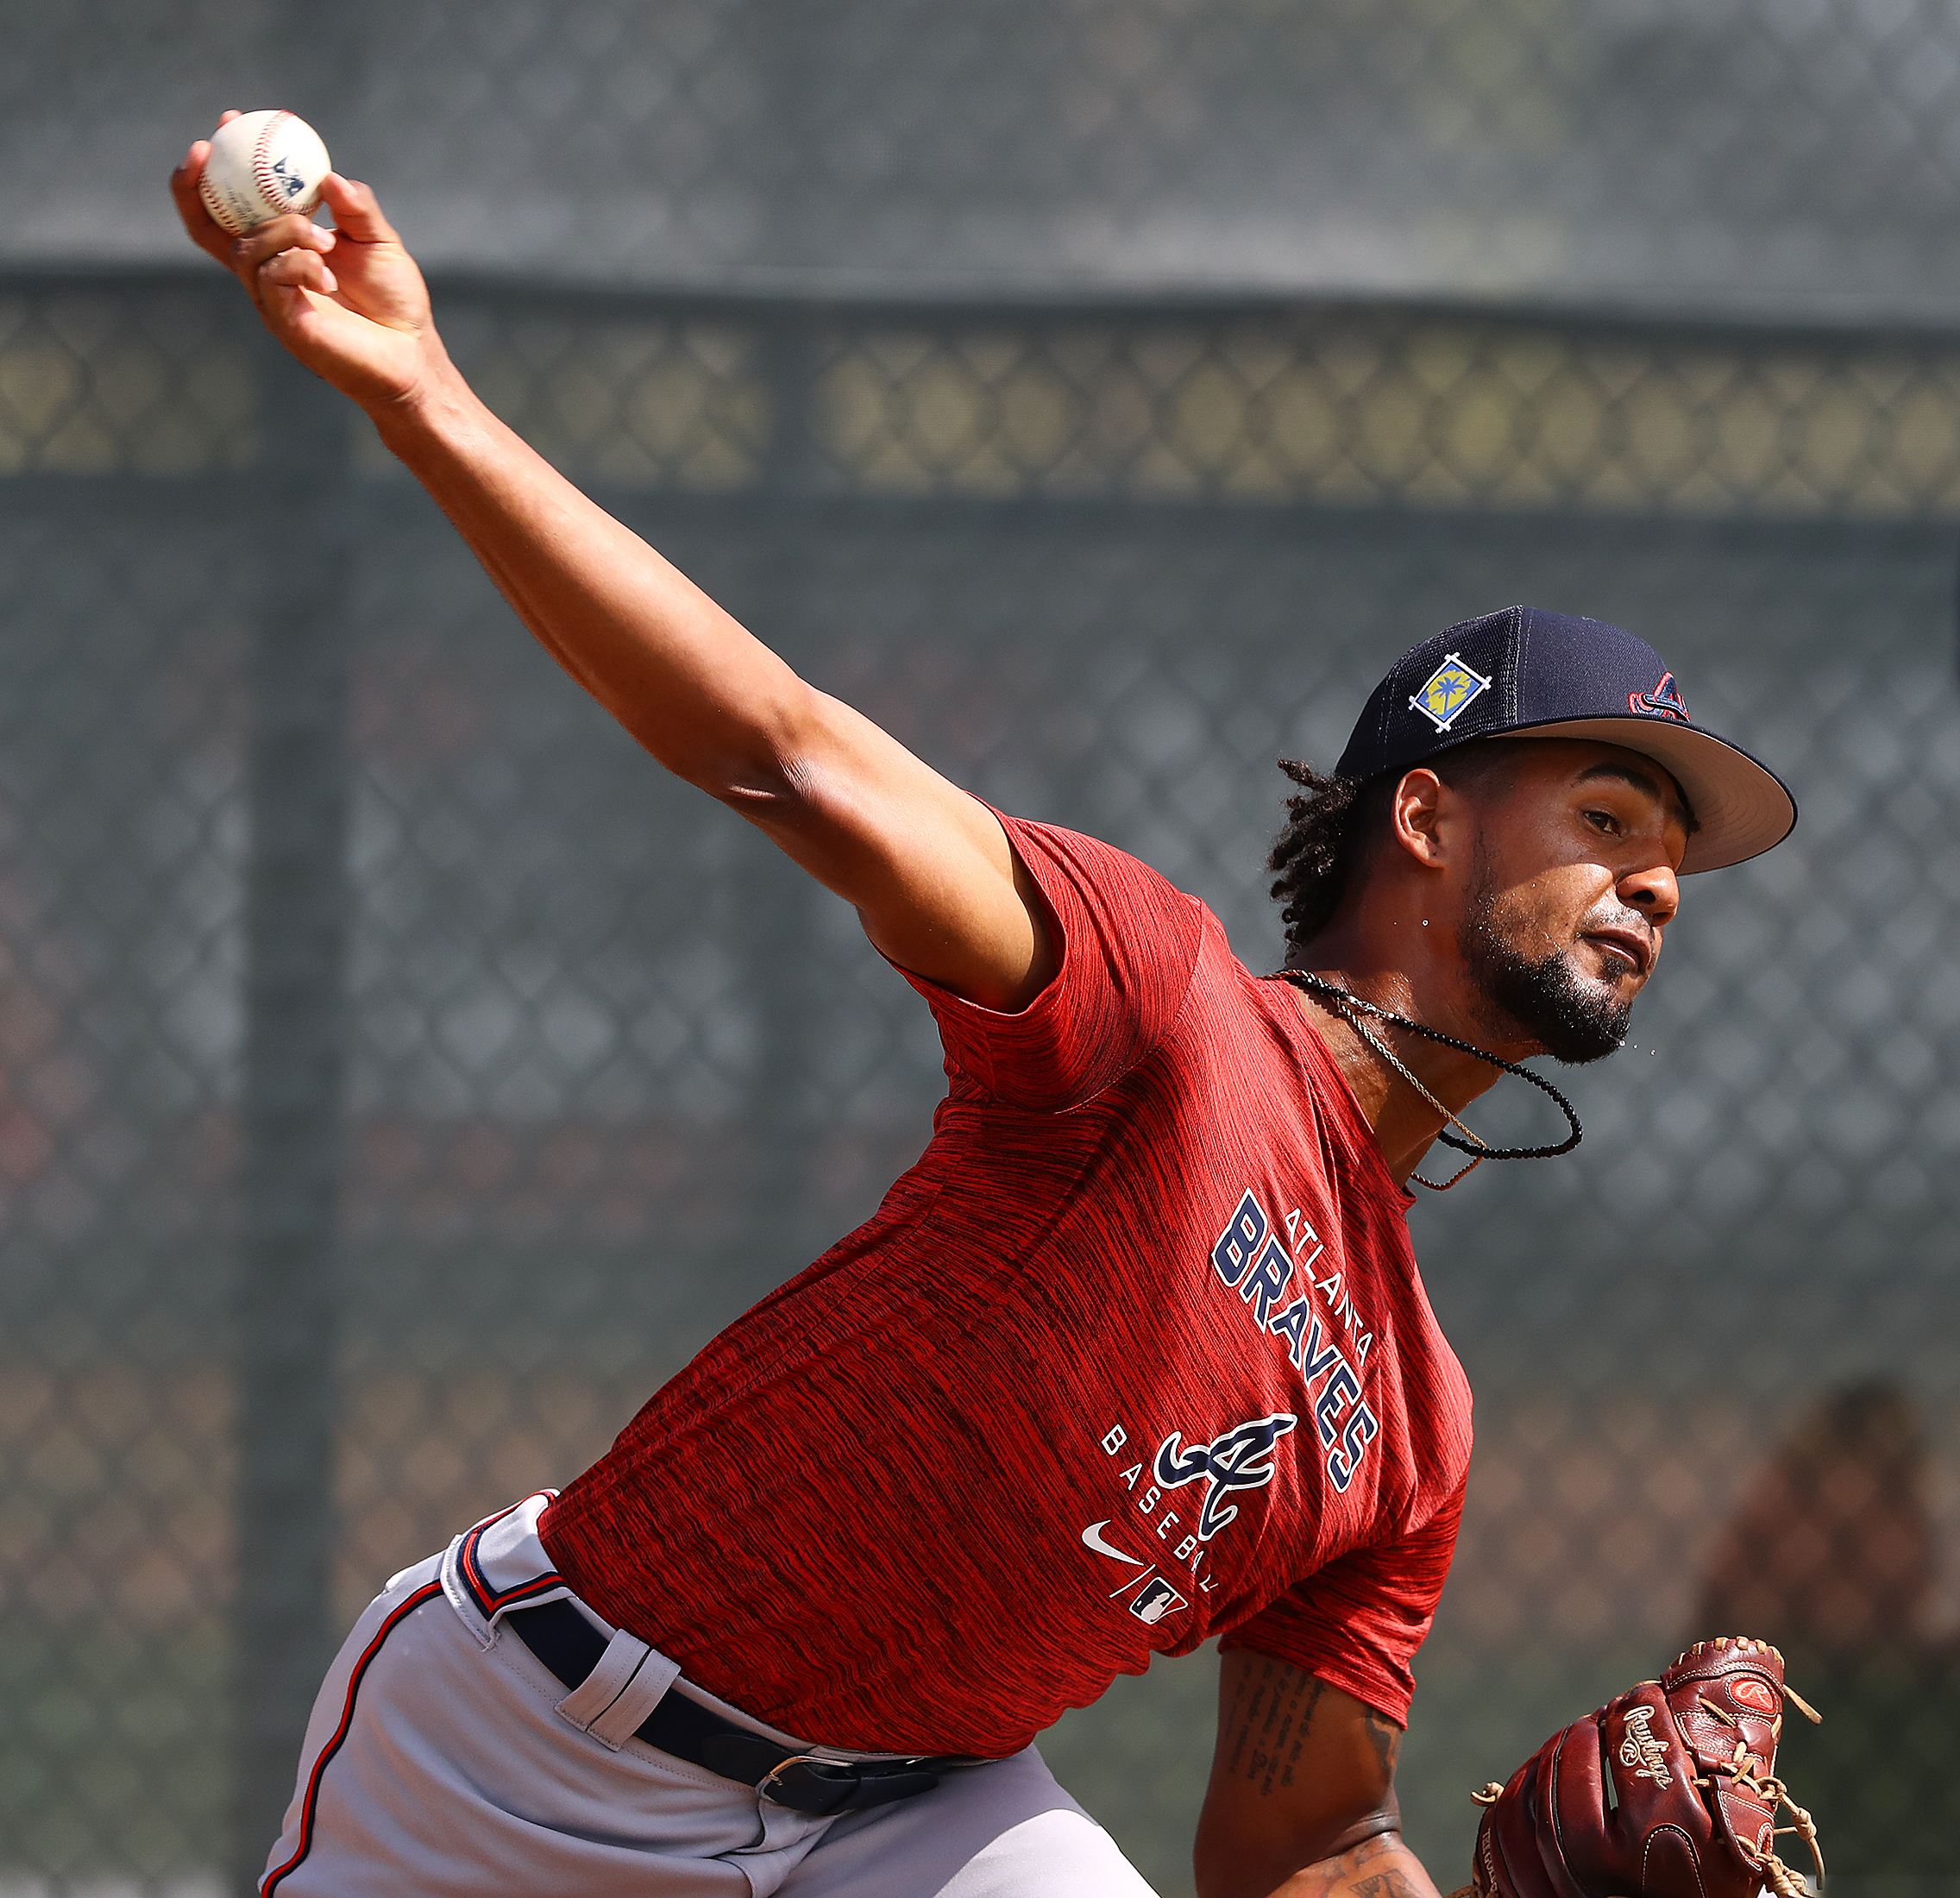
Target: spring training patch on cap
(1450,689)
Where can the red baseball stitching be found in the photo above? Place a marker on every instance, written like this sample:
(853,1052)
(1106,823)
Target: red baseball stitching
(263,175)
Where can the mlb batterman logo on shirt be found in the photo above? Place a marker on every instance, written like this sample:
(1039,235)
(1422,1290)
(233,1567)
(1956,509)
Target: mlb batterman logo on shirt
(1155,1600)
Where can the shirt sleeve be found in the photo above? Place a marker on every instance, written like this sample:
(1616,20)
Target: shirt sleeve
(1358,1622)
(1126,944)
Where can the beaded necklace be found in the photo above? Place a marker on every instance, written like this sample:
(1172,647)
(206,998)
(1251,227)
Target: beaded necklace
(1345,1004)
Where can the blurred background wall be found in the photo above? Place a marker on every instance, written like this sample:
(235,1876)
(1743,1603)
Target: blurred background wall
(398,1078)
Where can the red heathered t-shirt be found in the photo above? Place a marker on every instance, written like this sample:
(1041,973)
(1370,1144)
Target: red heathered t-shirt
(1137,1353)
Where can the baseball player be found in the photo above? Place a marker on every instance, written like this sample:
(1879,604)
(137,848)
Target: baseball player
(1136,1355)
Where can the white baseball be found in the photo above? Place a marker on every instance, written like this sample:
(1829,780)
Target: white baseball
(262,165)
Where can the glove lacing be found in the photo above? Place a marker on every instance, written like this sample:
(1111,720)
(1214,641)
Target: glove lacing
(1784,1880)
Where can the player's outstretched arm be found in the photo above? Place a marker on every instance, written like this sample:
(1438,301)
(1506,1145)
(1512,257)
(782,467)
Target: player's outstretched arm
(1301,1798)
(928,869)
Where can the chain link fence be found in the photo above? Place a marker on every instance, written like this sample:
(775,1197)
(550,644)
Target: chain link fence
(1755,156)
(398,1077)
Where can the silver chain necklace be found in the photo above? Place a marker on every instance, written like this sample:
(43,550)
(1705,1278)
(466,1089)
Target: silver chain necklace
(1345,1004)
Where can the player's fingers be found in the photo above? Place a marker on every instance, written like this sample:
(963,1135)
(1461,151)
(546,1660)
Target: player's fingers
(299,270)
(291,232)
(183,181)
(357,211)
(205,232)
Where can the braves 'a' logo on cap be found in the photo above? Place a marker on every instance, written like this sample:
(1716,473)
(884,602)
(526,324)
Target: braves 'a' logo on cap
(1450,689)
(1237,1459)
(1665,700)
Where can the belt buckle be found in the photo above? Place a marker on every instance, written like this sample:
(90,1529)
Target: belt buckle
(765,1787)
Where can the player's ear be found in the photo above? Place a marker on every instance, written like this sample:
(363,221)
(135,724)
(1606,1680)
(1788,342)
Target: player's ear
(1417,815)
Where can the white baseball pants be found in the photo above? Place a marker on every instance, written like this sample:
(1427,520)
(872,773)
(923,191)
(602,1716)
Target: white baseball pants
(443,1760)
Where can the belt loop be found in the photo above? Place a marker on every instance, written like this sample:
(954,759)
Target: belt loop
(627,1684)
(468,1612)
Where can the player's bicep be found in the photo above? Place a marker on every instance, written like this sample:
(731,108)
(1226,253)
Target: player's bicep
(927,867)
(1303,1773)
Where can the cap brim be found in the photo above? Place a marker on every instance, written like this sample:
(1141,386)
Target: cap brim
(1742,808)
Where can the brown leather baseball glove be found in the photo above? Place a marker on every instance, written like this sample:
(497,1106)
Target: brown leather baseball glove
(1668,1791)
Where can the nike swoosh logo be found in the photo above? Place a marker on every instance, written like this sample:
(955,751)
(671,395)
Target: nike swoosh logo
(1093,1536)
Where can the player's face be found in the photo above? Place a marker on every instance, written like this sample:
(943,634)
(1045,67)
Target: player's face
(1571,892)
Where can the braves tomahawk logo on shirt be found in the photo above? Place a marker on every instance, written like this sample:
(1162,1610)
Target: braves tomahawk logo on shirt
(1239,1458)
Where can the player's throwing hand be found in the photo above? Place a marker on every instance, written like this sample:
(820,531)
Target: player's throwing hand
(349,303)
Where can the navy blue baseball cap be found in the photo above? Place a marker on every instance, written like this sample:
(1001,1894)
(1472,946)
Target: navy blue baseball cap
(1527,673)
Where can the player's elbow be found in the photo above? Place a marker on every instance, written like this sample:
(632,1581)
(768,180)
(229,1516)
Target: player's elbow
(764,790)
(764,764)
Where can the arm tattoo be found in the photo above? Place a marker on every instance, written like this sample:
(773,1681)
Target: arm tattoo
(1343,1877)
(1385,1736)
(1391,1883)
(1268,1722)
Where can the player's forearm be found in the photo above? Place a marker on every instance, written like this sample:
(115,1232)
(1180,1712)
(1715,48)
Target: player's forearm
(929,870)
(1381,1867)
(705,697)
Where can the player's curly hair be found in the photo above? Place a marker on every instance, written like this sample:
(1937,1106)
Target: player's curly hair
(1327,832)
(1333,829)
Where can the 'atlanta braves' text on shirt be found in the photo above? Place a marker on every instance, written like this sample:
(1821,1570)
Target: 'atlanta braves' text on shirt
(1251,1259)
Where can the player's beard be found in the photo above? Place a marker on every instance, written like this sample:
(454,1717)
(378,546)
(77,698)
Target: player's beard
(1573,1022)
